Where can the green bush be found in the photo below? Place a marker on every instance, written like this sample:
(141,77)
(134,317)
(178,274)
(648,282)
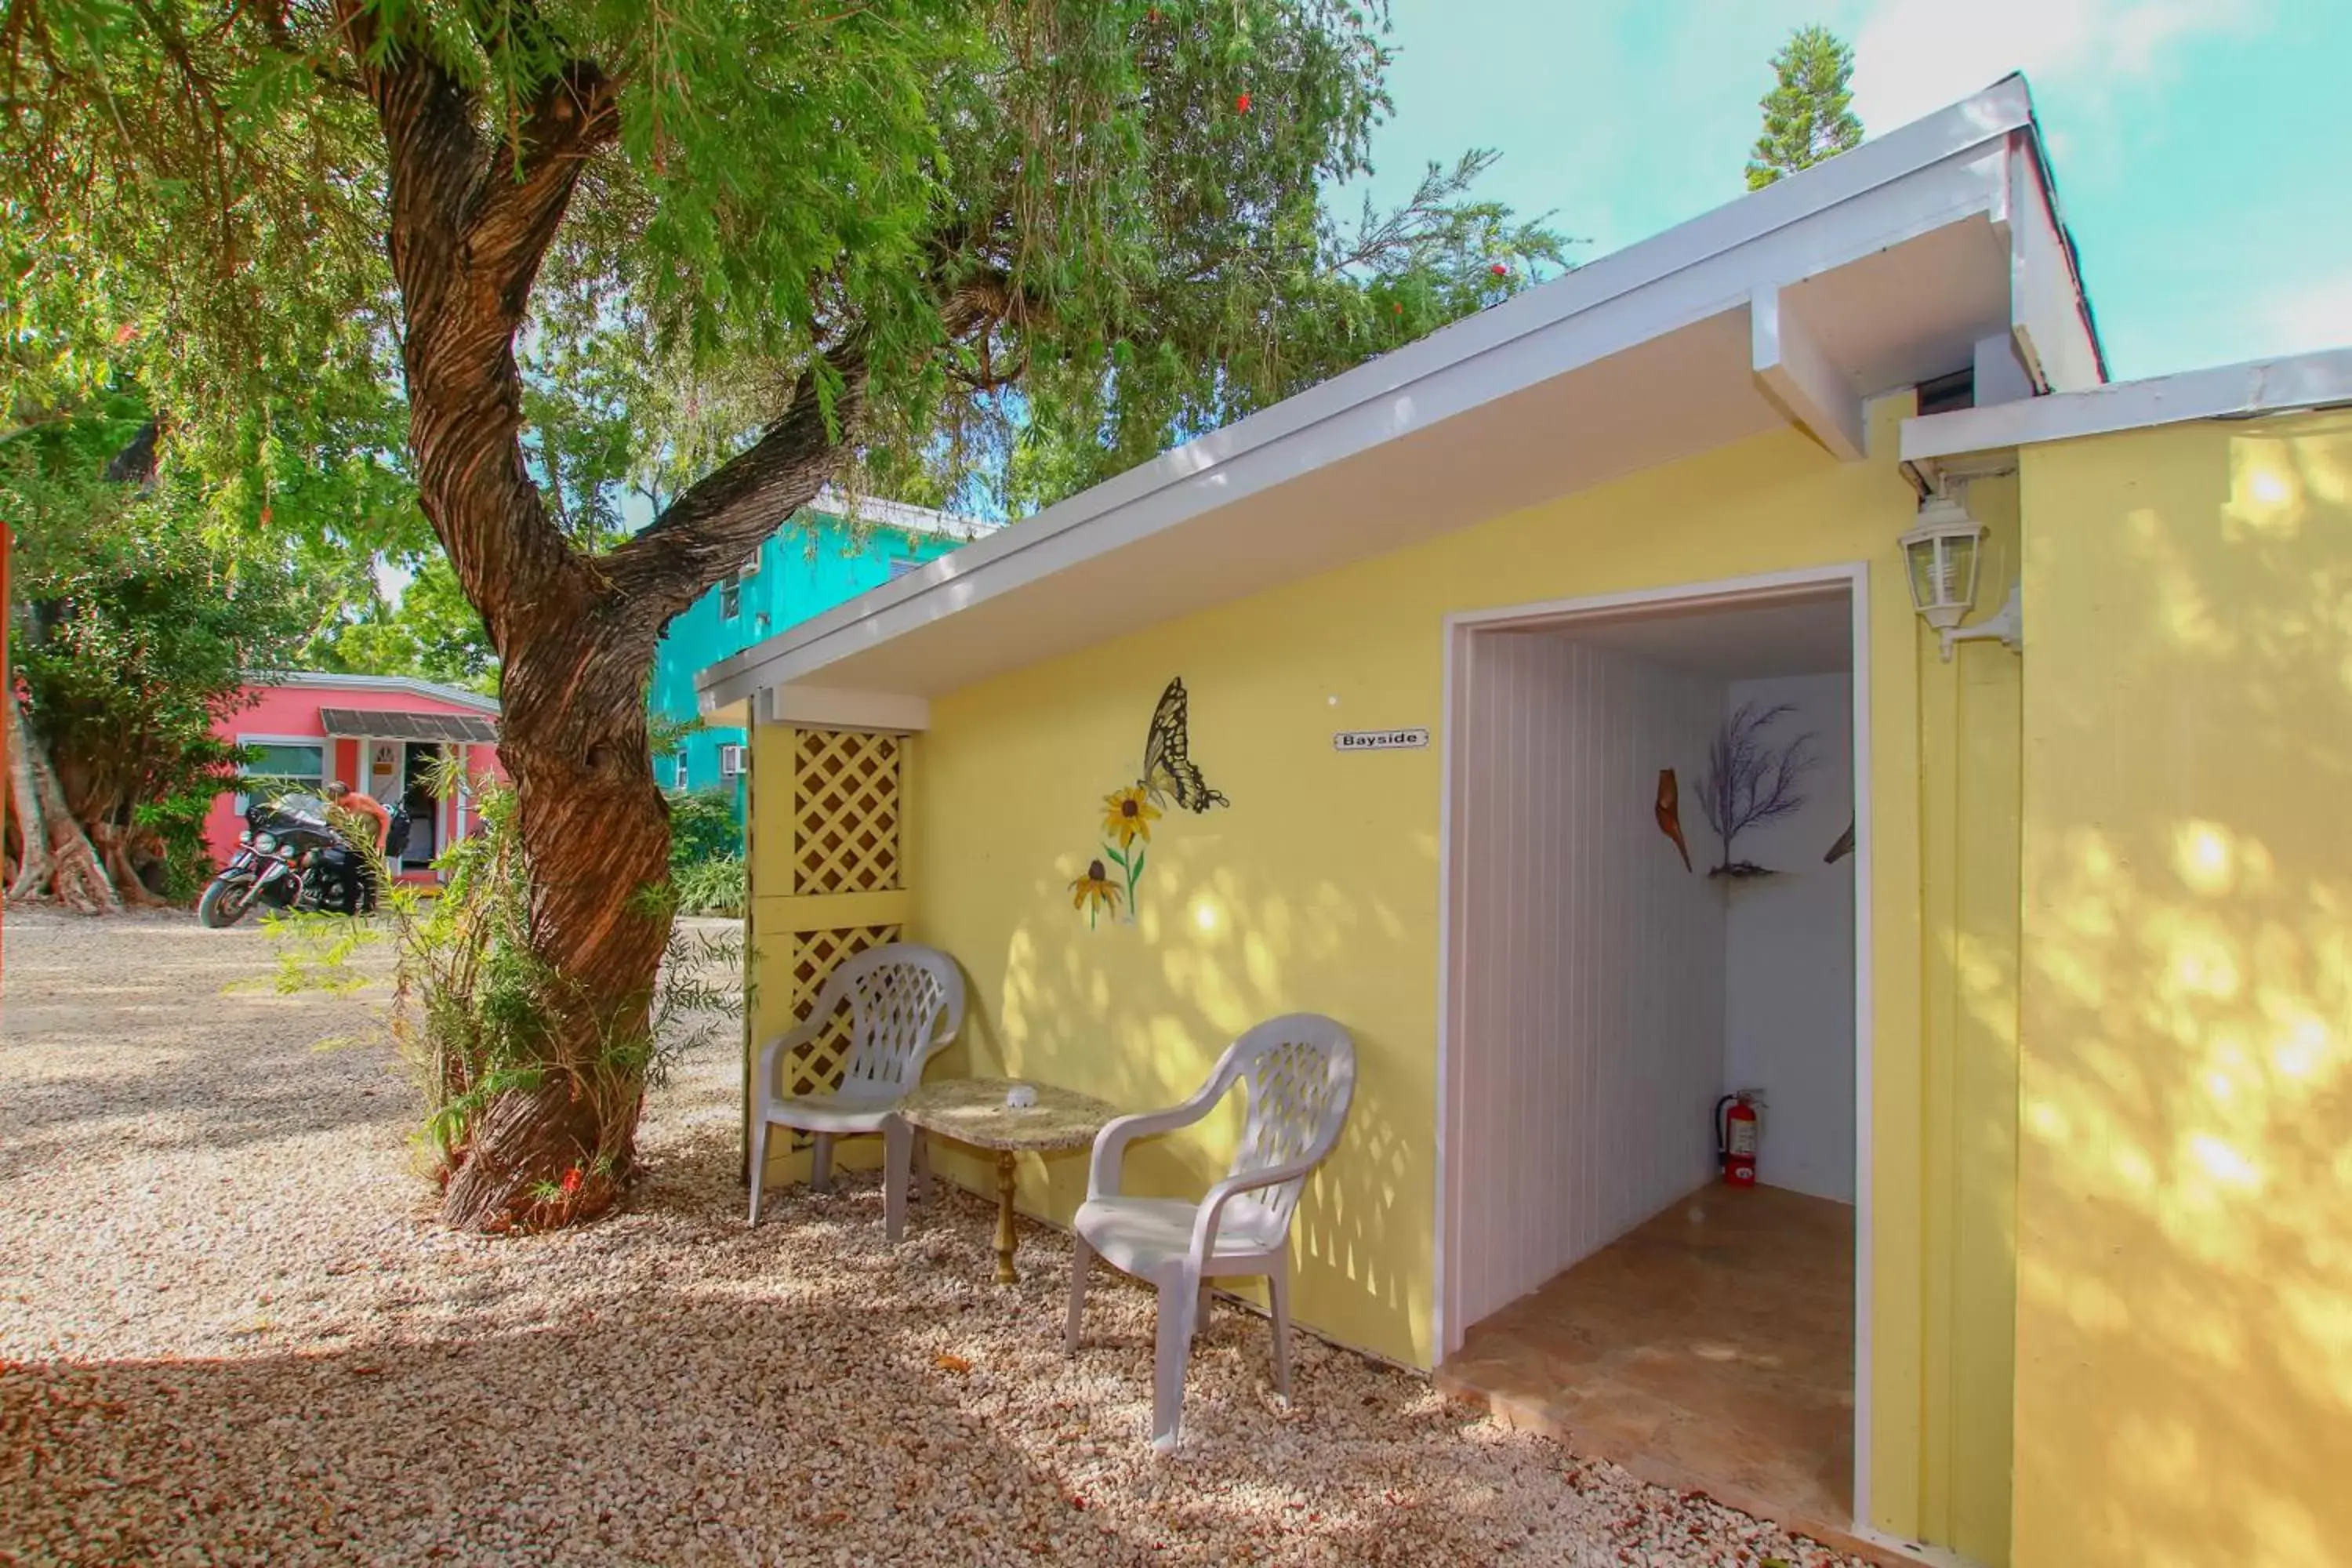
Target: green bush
(710,887)
(702,826)
(473,1006)
(178,824)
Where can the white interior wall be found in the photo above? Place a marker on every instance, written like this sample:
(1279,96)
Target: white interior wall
(1591,964)
(1788,980)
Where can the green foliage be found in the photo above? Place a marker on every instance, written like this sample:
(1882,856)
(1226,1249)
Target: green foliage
(474,1010)
(1113,206)
(1342,295)
(665,735)
(706,853)
(1062,234)
(177,826)
(713,887)
(702,826)
(320,952)
(1808,113)
(430,630)
(136,615)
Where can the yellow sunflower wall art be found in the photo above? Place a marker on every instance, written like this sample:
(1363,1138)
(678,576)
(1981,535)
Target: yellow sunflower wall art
(1094,891)
(1128,816)
(1128,812)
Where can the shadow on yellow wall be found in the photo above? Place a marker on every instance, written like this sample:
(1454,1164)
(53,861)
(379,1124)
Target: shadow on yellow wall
(1228,946)
(1967,1051)
(2185,1195)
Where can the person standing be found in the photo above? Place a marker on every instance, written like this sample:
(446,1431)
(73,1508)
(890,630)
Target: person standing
(346,808)
(343,797)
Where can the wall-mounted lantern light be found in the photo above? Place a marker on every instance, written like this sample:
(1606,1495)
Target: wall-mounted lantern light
(1940,557)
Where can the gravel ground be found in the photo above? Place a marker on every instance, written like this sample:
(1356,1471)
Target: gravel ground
(229,1332)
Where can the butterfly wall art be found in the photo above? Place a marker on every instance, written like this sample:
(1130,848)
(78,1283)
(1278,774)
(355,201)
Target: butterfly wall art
(1168,780)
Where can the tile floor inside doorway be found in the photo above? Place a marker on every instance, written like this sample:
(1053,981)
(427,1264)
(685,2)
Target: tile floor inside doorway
(1712,1346)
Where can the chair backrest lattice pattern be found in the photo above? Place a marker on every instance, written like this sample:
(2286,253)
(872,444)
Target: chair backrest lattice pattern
(817,1067)
(846,812)
(1298,1073)
(894,1009)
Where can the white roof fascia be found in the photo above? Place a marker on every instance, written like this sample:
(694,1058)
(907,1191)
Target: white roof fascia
(1698,268)
(410,684)
(897,514)
(880,713)
(2317,380)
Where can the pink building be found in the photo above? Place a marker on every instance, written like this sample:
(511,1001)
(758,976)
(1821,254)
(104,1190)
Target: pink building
(380,733)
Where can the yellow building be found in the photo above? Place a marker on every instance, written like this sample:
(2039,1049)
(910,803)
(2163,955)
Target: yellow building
(2043,972)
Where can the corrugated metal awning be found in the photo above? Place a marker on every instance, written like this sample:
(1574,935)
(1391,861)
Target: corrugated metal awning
(380,724)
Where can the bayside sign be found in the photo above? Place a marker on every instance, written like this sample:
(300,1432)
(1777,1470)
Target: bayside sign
(1379,740)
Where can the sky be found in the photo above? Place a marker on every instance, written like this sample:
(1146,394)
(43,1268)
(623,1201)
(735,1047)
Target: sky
(2203,148)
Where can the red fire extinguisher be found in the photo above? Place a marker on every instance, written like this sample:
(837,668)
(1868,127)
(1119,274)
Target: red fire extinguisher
(1736,1130)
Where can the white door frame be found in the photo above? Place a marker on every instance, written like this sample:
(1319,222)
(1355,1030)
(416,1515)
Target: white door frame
(447,824)
(1460,627)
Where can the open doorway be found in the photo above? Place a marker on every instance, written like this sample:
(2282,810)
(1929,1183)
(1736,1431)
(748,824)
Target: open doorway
(400,775)
(1612,970)
(422,807)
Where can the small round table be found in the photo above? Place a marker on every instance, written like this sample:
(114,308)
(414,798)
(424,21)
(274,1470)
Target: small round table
(972,1111)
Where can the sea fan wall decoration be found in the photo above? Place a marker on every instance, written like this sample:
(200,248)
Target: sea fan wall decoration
(1751,779)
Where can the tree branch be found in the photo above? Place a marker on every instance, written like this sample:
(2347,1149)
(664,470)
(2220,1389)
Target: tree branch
(519,198)
(721,518)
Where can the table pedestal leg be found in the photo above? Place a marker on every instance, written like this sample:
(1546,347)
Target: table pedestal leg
(1005,1273)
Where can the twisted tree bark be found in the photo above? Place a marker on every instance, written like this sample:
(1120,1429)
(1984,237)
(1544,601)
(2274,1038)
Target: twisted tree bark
(470,225)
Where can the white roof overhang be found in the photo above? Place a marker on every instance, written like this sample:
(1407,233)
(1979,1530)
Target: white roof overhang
(1946,443)
(1880,268)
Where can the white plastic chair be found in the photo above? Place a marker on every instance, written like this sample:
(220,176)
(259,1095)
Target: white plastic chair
(906,1005)
(1300,1071)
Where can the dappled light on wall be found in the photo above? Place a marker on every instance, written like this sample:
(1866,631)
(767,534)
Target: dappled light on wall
(1223,947)
(2185,1261)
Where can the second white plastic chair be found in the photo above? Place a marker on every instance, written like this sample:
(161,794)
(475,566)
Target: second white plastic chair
(906,1005)
(1300,1073)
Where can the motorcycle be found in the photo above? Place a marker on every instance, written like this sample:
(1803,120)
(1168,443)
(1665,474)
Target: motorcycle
(290,858)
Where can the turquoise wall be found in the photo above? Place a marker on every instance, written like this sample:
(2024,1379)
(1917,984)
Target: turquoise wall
(809,566)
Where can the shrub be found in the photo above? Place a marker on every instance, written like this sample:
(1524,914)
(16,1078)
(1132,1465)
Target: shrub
(710,887)
(177,824)
(472,1004)
(702,826)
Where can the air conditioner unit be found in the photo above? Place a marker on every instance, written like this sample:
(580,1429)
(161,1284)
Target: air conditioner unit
(730,761)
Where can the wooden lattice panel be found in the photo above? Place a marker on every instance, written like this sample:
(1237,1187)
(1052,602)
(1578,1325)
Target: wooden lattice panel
(816,1068)
(845,811)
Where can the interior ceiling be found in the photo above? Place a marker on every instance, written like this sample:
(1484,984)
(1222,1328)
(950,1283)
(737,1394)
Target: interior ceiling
(1809,636)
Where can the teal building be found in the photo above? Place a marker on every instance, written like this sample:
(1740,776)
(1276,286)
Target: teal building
(810,564)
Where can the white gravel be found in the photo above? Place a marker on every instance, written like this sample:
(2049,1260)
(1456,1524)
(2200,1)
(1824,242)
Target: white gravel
(230,1333)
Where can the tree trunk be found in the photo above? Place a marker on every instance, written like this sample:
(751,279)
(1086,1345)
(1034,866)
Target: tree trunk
(114,846)
(595,840)
(58,860)
(34,863)
(471,220)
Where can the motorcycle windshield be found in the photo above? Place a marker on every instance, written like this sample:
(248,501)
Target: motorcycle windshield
(292,814)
